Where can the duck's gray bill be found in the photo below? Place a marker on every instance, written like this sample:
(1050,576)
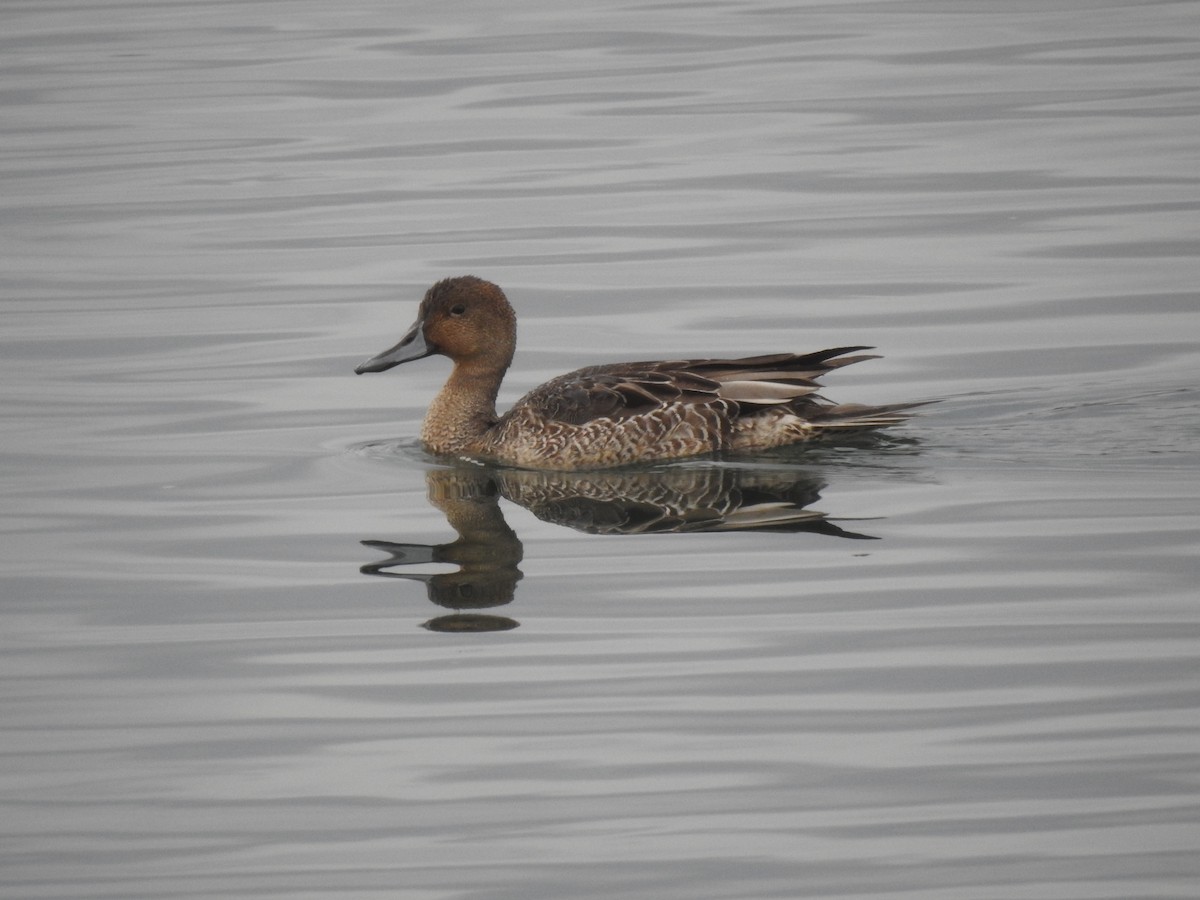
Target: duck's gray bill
(412,346)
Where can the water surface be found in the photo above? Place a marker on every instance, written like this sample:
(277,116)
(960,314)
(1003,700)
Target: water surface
(975,676)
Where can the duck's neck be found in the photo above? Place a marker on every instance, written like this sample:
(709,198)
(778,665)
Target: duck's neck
(461,414)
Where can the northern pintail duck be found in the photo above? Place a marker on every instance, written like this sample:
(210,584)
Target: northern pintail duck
(611,415)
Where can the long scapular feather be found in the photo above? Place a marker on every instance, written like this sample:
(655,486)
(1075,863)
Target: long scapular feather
(769,393)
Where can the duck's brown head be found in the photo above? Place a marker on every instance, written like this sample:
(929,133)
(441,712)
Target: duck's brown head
(465,318)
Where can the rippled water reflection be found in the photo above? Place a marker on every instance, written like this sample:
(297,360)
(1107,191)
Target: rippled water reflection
(212,212)
(691,498)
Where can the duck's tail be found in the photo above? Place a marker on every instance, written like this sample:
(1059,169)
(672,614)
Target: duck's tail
(854,416)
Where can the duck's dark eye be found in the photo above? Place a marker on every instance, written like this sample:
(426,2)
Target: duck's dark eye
(458,309)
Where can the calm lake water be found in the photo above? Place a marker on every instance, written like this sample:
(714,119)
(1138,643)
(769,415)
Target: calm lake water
(974,674)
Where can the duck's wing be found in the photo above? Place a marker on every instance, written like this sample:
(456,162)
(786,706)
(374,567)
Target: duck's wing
(619,391)
(625,390)
(777,379)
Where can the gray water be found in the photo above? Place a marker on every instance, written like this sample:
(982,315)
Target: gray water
(212,211)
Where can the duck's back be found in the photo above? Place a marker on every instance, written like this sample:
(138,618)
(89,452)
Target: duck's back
(643,411)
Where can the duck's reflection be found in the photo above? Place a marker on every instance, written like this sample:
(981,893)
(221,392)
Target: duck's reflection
(487,551)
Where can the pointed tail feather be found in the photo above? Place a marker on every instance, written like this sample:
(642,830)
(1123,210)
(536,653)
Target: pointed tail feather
(847,416)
